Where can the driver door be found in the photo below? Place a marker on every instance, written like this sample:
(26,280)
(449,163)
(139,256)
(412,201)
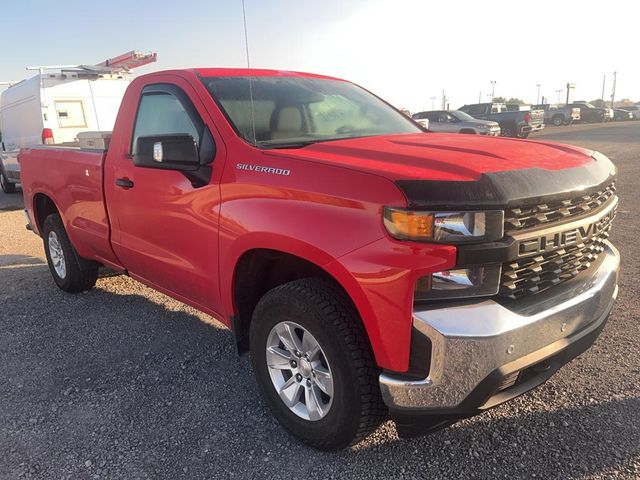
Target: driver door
(165,228)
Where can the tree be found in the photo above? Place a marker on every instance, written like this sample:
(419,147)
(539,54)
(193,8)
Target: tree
(518,101)
(625,102)
(597,103)
(499,100)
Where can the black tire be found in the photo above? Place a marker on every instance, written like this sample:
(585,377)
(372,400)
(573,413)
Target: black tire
(468,131)
(80,274)
(524,135)
(507,131)
(5,184)
(323,310)
(557,120)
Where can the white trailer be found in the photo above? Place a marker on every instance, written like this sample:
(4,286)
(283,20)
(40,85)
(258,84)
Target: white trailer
(57,104)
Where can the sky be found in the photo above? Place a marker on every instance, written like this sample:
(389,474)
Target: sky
(406,51)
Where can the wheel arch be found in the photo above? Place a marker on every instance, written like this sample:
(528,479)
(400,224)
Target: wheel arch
(259,270)
(43,206)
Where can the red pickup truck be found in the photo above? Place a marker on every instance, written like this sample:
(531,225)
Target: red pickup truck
(372,269)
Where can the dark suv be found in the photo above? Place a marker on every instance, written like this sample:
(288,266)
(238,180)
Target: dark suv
(589,113)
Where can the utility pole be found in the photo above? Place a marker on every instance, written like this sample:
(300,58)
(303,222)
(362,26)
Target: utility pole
(444,100)
(480,97)
(559,92)
(433,103)
(538,96)
(604,79)
(493,89)
(613,90)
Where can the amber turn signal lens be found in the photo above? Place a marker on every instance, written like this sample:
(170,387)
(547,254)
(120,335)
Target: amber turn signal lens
(404,224)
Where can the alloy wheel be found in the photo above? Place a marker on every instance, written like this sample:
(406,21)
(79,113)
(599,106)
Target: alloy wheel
(57,255)
(299,371)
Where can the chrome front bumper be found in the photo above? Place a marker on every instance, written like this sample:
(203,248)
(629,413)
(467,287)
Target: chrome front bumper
(476,347)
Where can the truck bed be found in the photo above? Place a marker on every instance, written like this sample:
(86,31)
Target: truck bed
(72,176)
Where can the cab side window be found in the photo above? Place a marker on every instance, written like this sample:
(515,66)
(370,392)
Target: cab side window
(162,112)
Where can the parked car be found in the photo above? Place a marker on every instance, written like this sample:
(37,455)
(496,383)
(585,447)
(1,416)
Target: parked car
(518,107)
(370,268)
(620,114)
(52,108)
(512,124)
(635,111)
(455,121)
(589,113)
(558,115)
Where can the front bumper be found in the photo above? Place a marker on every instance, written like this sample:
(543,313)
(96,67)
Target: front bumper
(494,132)
(485,353)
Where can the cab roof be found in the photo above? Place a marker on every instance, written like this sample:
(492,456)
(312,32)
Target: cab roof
(256,72)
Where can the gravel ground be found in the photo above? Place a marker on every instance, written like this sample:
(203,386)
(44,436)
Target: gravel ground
(123,382)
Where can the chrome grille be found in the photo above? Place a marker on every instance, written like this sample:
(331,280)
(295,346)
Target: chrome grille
(535,215)
(535,274)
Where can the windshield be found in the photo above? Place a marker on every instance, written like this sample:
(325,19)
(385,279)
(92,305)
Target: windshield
(463,117)
(296,111)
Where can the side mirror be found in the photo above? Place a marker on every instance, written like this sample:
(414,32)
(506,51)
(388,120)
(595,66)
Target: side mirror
(167,152)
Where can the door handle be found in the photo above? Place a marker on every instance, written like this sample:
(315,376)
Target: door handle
(124,183)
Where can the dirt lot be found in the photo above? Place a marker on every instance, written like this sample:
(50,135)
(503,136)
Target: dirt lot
(123,382)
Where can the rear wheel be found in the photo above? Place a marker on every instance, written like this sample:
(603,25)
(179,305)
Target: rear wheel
(314,365)
(507,131)
(557,120)
(5,184)
(71,272)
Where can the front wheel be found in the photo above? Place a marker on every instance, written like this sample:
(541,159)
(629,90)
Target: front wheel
(558,120)
(314,365)
(71,272)
(5,184)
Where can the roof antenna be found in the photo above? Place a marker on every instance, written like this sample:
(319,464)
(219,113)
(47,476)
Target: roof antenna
(246,45)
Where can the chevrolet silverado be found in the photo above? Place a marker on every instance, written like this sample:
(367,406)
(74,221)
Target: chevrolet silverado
(372,269)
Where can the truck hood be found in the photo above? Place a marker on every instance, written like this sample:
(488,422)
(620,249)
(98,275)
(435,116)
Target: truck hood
(440,156)
(476,122)
(428,160)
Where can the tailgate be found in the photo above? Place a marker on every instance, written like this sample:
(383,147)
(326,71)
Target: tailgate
(537,117)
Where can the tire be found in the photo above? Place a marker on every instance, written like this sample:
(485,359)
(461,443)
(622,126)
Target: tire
(5,184)
(71,272)
(557,120)
(468,131)
(507,131)
(320,310)
(524,135)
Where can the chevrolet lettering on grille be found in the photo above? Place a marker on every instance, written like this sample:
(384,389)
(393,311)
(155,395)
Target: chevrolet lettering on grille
(567,235)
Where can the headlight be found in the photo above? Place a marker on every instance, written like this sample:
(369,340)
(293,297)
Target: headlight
(444,227)
(475,281)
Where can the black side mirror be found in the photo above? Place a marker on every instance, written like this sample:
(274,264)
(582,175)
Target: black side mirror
(167,152)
